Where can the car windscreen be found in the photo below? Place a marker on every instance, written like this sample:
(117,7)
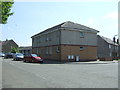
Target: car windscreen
(34,55)
(19,54)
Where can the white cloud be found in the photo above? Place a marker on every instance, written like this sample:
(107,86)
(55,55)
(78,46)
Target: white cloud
(113,15)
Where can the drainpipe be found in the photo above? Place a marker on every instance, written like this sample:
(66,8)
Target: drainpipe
(60,44)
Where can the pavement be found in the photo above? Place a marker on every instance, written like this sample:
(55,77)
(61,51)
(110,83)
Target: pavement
(97,74)
(97,62)
(88,62)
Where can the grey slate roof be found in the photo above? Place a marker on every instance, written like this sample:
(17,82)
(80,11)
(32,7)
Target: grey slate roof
(108,40)
(6,42)
(77,26)
(70,25)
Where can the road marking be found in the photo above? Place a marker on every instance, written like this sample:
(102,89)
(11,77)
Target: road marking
(40,76)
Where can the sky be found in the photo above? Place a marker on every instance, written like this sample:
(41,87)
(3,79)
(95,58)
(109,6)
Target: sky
(32,17)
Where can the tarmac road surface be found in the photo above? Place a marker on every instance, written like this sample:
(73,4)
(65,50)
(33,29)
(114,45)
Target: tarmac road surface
(17,74)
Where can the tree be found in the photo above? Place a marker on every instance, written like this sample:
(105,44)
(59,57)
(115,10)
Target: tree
(5,10)
(14,50)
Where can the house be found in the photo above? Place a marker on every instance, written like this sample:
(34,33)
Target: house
(25,50)
(7,45)
(107,49)
(67,41)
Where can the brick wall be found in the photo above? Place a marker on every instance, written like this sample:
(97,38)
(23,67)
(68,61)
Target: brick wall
(7,47)
(49,52)
(88,52)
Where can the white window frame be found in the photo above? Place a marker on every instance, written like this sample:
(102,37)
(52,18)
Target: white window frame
(82,34)
(57,50)
(109,46)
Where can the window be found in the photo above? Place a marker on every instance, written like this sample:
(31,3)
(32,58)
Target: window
(58,49)
(81,34)
(116,47)
(48,37)
(109,46)
(81,48)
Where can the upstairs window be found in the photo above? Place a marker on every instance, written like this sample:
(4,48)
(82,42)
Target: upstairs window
(109,46)
(47,39)
(82,35)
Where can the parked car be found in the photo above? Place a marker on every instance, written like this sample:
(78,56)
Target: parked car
(32,58)
(18,56)
(8,55)
(2,54)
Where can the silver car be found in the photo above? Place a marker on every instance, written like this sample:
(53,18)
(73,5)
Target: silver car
(18,56)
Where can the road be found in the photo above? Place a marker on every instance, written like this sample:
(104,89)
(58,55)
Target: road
(17,74)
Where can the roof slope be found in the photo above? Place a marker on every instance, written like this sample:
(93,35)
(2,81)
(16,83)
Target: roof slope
(108,40)
(7,42)
(77,26)
(70,25)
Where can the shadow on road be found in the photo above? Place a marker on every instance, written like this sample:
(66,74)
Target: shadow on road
(53,62)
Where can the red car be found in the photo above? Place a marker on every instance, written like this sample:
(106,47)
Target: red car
(32,58)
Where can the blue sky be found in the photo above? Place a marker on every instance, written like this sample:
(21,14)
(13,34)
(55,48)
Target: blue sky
(33,17)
